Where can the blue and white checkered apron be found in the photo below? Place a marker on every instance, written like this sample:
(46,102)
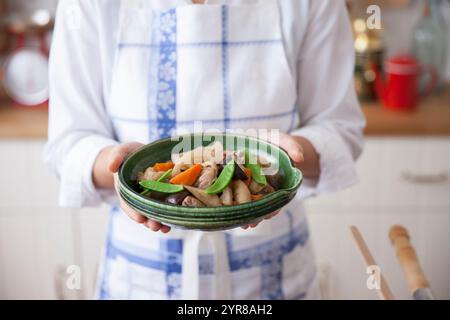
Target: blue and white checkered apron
(223,66)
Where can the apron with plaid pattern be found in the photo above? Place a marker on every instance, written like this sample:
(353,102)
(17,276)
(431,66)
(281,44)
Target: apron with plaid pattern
(181,68)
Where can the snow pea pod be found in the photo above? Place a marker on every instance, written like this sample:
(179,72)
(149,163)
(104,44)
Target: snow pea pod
(161,186)
(223,180)
(161,179)
(257,172)
(165,175)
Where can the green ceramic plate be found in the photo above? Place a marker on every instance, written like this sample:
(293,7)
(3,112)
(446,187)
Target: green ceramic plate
(195,224)
(145,210)
(219,218)
(271,201)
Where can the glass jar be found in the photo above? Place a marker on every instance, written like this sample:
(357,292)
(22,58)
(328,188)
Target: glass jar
(430,39)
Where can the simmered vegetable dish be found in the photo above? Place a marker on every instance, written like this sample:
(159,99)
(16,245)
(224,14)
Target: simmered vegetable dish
(207,177)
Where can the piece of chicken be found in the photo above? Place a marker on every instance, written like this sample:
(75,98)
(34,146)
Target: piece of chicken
(190,201)
(208,175)
(200,154)
(149,174)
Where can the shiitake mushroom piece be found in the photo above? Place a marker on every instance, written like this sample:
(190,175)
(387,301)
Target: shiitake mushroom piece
(275,180)
(176,198)
(219,168)
(239,172)
(267,190)
(154,195)
(256,188)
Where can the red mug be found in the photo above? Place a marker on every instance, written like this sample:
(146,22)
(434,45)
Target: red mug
(400,89)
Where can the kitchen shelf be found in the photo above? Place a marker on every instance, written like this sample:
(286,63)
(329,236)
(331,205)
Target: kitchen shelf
(432,118)
(23,123)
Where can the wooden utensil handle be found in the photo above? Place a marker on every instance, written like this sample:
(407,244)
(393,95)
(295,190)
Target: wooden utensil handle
(384,291)
(408,258)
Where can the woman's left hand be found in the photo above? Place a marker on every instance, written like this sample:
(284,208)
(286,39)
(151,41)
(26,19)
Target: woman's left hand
(292,145)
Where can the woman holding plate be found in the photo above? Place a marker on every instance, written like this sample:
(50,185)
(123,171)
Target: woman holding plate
(126,73)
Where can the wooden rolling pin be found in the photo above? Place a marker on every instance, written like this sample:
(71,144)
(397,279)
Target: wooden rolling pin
(417,282)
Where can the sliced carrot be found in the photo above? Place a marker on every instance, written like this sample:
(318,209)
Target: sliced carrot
(189,176)
(248,173)
(256,197)
(163,166)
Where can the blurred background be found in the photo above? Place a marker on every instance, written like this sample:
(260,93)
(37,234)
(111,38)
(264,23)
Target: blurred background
(402,76)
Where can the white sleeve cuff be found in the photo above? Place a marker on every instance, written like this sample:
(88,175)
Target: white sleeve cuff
(337,166)
(77,187)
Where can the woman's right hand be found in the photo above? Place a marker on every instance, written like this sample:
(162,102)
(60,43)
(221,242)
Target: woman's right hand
(105,176)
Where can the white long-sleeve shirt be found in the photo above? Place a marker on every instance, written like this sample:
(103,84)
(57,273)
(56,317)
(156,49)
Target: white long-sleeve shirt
(318,45)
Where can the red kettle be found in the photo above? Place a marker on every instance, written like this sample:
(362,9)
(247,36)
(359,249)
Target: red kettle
(399,89)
